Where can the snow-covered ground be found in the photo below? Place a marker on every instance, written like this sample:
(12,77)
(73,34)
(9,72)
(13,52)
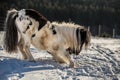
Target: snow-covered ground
(100,62)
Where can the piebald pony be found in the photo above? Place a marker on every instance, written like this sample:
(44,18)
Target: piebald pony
(27,26)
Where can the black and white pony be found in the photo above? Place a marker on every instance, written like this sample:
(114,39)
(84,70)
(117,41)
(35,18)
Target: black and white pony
(27,26)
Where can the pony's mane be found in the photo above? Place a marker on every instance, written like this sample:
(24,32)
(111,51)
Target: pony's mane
(66,24)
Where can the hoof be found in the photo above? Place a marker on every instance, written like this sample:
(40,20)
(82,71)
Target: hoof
(24,58)
(31,60)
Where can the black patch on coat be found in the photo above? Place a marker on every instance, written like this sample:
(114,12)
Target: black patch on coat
(26,29)
(30,23)
(53,30)
(33,35)
(53,27)
(37,16)
(69,50)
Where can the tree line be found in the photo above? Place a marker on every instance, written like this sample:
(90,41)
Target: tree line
(92,13)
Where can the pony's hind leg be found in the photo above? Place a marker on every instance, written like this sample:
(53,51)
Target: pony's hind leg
(21,48)
(28,53)
(24,56)
(24,49)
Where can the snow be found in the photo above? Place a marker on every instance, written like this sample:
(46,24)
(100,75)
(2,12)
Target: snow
(100,62)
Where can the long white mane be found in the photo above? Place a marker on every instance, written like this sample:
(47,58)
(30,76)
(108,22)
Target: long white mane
(66,24)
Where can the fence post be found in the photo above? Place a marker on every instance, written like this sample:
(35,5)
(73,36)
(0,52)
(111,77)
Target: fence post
(88,28)
(99,30)
(113,33)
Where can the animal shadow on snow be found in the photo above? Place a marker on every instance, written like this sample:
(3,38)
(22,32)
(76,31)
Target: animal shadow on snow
(10,66)
(26,66)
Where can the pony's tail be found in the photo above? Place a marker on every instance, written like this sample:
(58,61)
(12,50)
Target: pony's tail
(11,34)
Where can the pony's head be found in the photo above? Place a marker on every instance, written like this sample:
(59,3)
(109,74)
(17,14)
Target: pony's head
(21,20)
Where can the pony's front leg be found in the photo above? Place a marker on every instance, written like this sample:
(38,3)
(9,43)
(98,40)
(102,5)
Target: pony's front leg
(62,56)
(24,49)
(24,56)
(21,48)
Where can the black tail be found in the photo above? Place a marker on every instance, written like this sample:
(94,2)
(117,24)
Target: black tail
(11,34)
